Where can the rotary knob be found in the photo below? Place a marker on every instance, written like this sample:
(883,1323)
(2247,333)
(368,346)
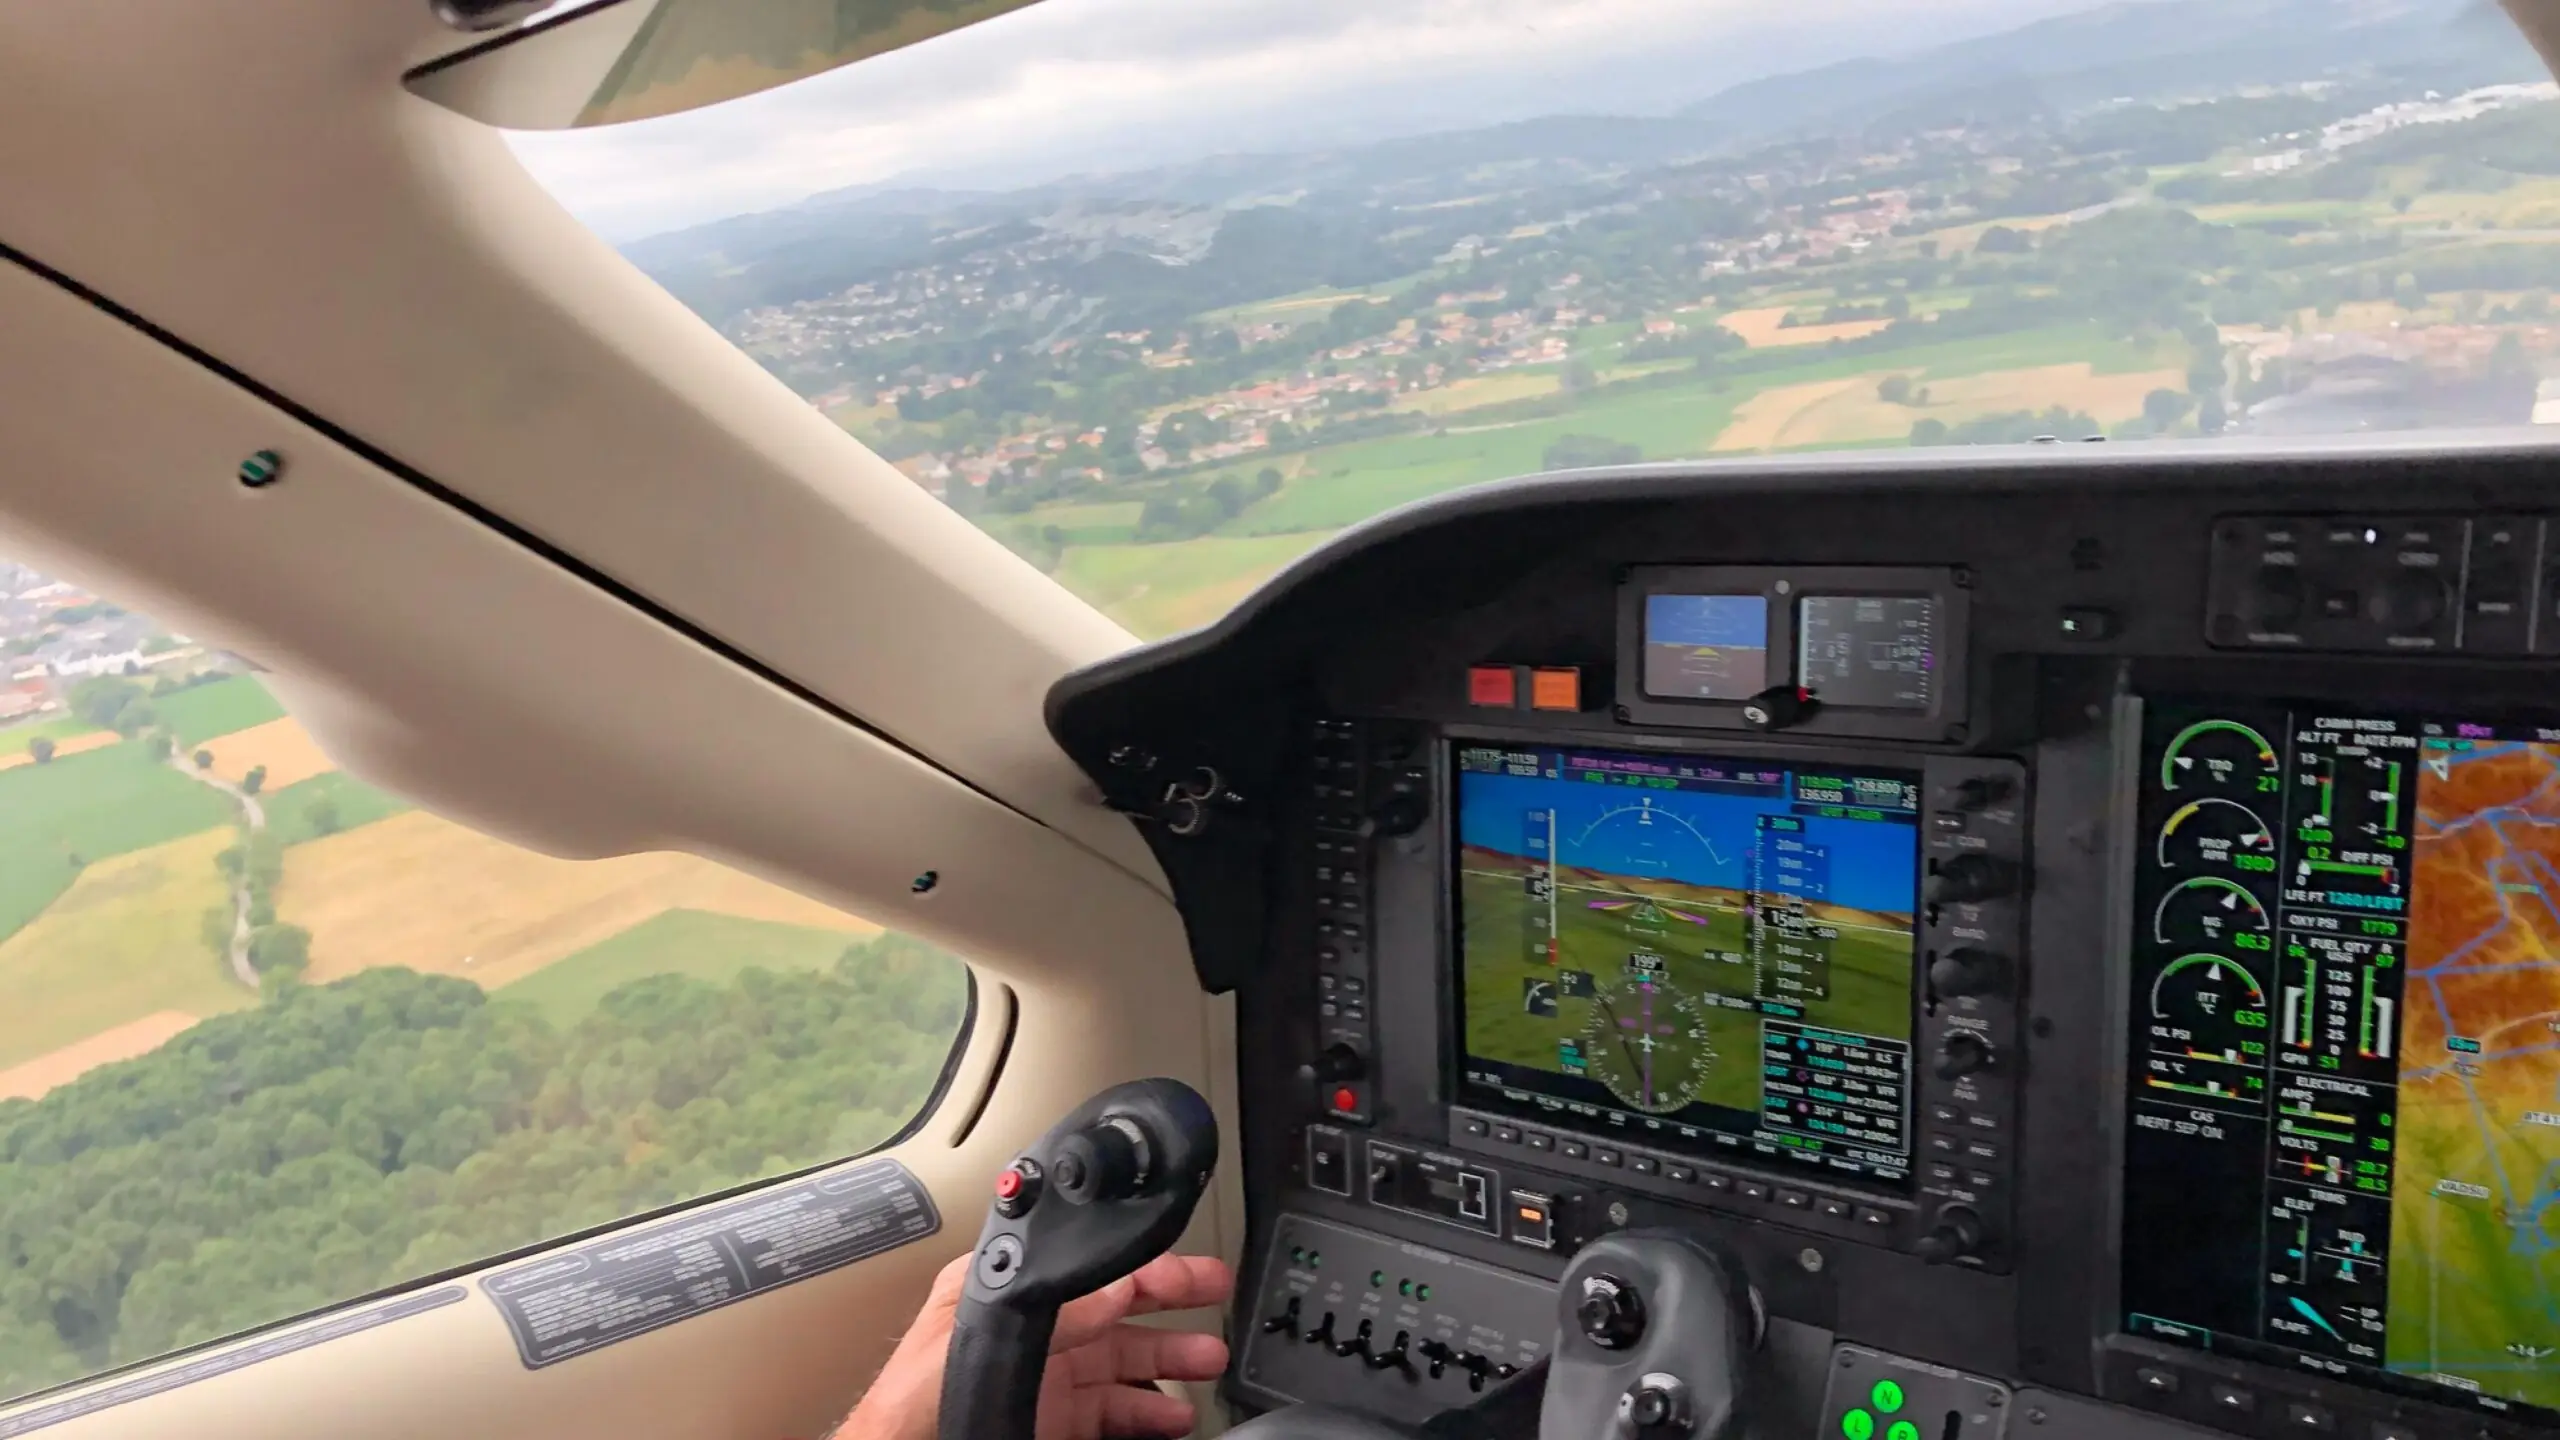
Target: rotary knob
(1956,1233)
(1968,970)
(1610,1313)
(1963,1053)
(1968,878)
(2409,601)
(2274,598)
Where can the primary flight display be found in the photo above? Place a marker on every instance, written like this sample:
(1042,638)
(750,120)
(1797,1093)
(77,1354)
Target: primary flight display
(1707,955)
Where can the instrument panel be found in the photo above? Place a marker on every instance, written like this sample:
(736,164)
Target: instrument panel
(2087,931)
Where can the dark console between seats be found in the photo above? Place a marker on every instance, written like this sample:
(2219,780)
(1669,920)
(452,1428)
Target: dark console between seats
(2080,926)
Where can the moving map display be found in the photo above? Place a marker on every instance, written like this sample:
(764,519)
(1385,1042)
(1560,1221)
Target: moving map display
(2344,1138)
(1703,955)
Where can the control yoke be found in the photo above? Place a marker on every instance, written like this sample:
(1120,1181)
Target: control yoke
(1104,1191)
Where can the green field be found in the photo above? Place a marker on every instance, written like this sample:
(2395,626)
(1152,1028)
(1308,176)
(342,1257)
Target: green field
(125,943)
(688,942)
(15,739)
(196,715)
(1702,1018)
(289,809)
(1159,589)
(83,808)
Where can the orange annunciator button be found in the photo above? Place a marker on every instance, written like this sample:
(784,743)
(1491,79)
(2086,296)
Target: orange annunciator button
(1555,688)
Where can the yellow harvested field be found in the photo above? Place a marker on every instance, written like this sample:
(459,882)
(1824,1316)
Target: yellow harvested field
(1841,412)
(94,740)
(1762,422)
(1478,390)
(125,942)
(283,746)
(423,892)
(1760,329)
(30,1080)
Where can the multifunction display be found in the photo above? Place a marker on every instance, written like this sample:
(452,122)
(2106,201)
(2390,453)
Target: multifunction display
(1704,955)
(1706,647)
(1868,652)
(2343,1151)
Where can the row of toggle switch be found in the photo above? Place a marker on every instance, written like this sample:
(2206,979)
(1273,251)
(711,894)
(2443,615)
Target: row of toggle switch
(1437,1356)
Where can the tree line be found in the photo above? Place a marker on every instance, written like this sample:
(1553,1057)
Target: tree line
(342,1138)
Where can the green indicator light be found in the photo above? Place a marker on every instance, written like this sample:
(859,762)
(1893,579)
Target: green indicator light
(1314,1258)
(1297,1254)
(1404,1287)
(1887,1395)
(1902,1430)
(1858,1425)
(1377,1279)
(1422,1292)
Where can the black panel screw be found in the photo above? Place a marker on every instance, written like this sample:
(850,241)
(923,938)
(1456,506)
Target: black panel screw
(924,883)
(262,469)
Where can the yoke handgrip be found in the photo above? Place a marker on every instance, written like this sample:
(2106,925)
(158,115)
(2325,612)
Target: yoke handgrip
(991,1377)
(1107,1189)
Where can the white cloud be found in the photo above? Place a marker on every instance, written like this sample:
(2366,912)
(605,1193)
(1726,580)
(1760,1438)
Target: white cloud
(1068,85)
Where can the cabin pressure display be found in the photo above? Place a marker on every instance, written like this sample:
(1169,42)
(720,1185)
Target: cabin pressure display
(2343,1150)
(1705,955)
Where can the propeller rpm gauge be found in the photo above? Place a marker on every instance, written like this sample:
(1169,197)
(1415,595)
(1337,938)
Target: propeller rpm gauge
(2216,836)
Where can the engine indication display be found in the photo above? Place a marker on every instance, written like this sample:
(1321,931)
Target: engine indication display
(1703,955)
(2341,1135)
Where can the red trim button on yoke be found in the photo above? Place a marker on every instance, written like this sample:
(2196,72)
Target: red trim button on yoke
(1346,1100)
(1017,1188)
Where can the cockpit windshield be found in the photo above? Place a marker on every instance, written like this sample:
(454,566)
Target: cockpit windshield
(1162,295)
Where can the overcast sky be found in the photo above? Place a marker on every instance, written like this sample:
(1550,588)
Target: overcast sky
(1070,86)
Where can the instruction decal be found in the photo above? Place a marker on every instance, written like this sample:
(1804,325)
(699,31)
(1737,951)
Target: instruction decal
(619,1286)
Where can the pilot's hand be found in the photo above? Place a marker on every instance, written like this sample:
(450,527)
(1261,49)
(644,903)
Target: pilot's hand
(1102,1372)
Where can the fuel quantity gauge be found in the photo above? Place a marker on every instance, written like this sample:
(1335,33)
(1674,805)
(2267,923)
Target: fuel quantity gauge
(2219,757)
(2215,835)
(2208,912)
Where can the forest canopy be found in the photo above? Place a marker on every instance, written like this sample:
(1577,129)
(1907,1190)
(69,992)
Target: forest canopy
(343,1138)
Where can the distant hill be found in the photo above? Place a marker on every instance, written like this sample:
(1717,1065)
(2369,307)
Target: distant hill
(2154,51)
(2157,50)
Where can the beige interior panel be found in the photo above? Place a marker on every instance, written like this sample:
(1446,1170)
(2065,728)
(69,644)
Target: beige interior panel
(253,178)
(451,663)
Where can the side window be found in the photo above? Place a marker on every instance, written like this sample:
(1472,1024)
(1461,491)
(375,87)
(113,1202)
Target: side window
(272,1039)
